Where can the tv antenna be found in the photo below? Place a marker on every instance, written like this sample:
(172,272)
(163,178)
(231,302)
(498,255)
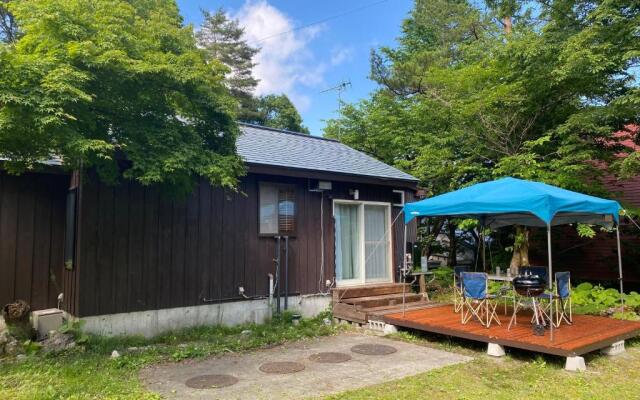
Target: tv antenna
(339,88)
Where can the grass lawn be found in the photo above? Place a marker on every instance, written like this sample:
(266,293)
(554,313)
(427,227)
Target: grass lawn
(519,375)
(88,373)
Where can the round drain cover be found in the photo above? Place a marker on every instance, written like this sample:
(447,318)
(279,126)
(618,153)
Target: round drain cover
(373,349)
(330,357)
(281,367)
(211,381)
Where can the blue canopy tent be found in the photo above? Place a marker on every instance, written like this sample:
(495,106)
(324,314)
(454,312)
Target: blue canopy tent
(511,201)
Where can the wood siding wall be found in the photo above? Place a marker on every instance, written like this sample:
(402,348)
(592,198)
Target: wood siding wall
(597,259)
(139,250)
(31,236)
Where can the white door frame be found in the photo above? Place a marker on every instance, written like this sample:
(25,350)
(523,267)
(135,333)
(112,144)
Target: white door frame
(362,280)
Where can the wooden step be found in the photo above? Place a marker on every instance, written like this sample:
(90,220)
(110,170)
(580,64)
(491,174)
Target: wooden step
(368,290)
(384,300)
(374,312)
(349,312)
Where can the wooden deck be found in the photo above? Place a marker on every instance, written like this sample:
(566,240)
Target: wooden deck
(588,333)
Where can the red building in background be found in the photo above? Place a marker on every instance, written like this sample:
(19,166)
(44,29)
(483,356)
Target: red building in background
(596,259)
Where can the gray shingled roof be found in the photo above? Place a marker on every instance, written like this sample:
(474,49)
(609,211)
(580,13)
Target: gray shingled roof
(267,146)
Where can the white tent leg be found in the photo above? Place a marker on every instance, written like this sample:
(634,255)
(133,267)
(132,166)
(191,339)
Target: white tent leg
(620,267)
(550,280)
(404,267)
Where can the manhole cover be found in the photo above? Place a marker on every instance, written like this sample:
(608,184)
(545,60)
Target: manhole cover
(373,349)
(330,357)
(211,381)
(281,367)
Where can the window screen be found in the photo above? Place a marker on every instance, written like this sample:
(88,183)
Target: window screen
(277,209)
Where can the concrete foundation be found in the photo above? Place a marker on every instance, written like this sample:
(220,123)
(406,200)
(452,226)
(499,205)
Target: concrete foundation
(495,350)
(615,349)
(575,364)
(153,322)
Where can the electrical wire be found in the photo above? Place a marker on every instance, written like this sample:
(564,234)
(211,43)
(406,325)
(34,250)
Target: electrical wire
(329,18)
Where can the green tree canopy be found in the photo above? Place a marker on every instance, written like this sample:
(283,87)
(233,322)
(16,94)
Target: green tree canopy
(277,111)
(223,40)
(96,81)
(478,91)
(462,99)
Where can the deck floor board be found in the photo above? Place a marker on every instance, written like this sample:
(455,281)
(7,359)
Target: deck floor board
(586,334)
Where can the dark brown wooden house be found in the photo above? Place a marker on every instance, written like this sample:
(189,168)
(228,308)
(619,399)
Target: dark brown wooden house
(129,259)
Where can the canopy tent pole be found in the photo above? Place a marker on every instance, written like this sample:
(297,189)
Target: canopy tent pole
(620,266)
(550,281)
(404,267)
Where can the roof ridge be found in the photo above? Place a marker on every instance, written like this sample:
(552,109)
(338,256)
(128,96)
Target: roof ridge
(288,132)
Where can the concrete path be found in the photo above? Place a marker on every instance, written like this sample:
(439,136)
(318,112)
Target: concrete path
(317,379)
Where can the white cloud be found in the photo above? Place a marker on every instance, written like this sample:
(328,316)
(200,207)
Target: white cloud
(340,54)
(285,62)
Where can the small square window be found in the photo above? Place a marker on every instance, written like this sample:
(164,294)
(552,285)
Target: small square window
(398,198)
(277,209)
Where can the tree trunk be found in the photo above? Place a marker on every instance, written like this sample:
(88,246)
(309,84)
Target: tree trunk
(452,259)
(435,230)
(508,24)
(520,257)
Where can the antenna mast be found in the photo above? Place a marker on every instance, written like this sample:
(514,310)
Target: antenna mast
(339,88)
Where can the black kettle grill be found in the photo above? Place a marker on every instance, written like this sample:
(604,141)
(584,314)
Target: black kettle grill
(529,285)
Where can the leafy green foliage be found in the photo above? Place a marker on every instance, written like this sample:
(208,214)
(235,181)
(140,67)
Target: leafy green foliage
(592,299)
(277,111)
(94,82)
(464,99)
(460,101)
(223,40)
(585,230)
(74,327)
(31,347)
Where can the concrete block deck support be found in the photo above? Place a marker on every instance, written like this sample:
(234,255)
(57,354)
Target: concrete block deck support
(615,349)
(495,350)
(390,329)
(575,364)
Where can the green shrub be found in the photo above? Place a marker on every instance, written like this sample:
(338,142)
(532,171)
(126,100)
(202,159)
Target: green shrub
(592,299)
(443,276)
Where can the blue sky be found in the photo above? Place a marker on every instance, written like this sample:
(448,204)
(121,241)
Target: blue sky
(307,61)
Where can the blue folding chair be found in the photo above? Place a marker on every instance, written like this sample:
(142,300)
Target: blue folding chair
(477,302)
(561,297)
(457,287)
(533,270)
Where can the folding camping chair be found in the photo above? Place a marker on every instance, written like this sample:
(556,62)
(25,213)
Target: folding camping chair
(458,299)
(561,297)
(477,302)
(532,270)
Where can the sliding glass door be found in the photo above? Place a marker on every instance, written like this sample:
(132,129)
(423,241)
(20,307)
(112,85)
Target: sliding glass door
(362,242)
